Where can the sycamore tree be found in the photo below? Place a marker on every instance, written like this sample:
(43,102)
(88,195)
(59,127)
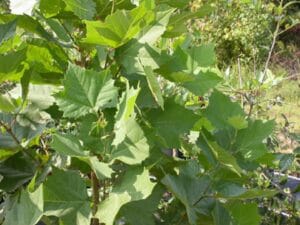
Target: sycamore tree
(95,93)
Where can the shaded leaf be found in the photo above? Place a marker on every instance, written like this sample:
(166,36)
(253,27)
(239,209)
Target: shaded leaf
(65,196)
(16,170)
(172,122)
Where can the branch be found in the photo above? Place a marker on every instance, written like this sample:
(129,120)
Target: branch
(95,190)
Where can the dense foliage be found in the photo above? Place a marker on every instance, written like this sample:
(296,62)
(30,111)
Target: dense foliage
(111,114)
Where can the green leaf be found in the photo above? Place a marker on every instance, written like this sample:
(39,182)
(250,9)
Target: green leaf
(124,113)
(65,196)
(154,86)
(27,209)
(143,208)
(221,215)
(7,31)
(16,170)
(119,27)
(189,189)
(172,123)
(135,185)
(134,148)
(67,144)
(135,56)
(224,157)
(23,128)
(221,110)
(244,214)
(11,65)
(249,140)
(101,169)
(86,91)
(185,67)
(84,9)
(154,31)
(7,104)
(51,8)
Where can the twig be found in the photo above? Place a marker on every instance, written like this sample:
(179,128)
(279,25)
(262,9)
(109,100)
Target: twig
(275,35)
(95,190)
(240,80)
(11,133)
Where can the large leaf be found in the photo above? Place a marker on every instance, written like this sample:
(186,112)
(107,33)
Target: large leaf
(185,67)
(65,196)
(172,123)
(135,56)
(221,110)
(190,189)
(135,185)
(249,141)
(16,171)
(27,209)
(86,91)
(84,9)
(244,214)
(143,208)
(119,27)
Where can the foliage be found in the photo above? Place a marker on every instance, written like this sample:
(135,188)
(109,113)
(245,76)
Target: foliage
(104,89)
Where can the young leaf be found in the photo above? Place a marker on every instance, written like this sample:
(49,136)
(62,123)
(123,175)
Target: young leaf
(118,28)
(86,91)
